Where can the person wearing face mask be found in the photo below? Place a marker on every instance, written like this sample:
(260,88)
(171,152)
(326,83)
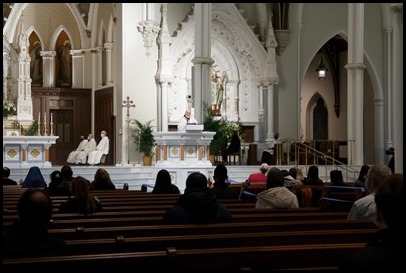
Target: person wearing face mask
(90,146)
(102,148)
(74,154)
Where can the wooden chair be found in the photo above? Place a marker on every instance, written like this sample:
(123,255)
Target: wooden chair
(103,159)
(233,158)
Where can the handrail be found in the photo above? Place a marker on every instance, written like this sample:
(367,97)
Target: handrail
(316,156)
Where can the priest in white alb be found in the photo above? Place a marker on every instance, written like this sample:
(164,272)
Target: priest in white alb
(90,146)
(101,149)
(74,154)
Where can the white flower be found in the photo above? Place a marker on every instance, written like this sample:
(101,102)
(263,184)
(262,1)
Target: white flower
(9,108)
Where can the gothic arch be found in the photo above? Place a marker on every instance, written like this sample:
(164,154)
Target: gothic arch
(238,52)
(55,37)
(32,29)
(101,36)
(110,30)
(310,114)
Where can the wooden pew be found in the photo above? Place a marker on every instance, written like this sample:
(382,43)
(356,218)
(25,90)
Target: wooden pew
(143,218)
(119,201)
(238,213)
(150,243)
(290,257)
(240,207)
(80,232)
(321,256)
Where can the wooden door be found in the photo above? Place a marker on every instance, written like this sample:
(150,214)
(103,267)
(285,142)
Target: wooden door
(105,120)
(63,127)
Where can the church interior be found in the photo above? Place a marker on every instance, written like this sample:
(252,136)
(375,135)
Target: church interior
(301,83)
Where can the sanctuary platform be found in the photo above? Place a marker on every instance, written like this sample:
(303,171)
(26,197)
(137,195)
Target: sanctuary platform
(137,175)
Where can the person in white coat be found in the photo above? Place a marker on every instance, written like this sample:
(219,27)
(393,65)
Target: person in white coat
(74,154)
(101,149)
(276,194)
(90,146)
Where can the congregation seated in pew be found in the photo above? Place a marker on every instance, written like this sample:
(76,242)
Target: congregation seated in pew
(83,201)
(163,183)
(29,236)
(198,204)
(276,194)
(102,181)
(386,250)
(220,187)
(272,232)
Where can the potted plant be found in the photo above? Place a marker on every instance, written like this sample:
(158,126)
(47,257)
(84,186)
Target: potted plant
(223,129)
(144,140)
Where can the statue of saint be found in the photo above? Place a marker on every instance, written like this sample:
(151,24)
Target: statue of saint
(217,90)
(65,61)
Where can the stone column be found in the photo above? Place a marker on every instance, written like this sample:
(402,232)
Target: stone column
(397,68)
(270,135)
(48,66)
(164,73)
(201,70)
(108,47)
(99,67)
(355,87)
(78,68)
(6,58)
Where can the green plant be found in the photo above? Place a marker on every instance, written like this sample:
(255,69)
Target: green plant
(223,128)
(30,131)
(143,138)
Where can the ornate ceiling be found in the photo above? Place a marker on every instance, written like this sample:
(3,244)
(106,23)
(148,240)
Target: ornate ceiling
(83,10)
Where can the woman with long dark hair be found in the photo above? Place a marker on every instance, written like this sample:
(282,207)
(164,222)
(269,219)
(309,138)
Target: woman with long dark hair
(163,183)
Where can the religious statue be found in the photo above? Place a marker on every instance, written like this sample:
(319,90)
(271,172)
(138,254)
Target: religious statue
(35,65)
(64,61)
(218,80)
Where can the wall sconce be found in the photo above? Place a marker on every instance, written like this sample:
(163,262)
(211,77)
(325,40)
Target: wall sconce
(322,70)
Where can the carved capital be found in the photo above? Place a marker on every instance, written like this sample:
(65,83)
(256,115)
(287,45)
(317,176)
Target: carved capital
(108,46)
(149,30)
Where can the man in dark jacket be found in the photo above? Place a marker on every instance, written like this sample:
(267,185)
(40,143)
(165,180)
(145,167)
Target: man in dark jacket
(6,179)
(220,186)
(29,236)
(197,205)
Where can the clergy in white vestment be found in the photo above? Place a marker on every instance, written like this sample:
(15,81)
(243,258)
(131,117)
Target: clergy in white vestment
(74,154)
(101,149)
(90,146)
(186,119)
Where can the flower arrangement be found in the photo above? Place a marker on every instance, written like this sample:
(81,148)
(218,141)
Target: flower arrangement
(9,108)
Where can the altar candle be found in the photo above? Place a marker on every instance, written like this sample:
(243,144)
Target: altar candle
(51,117)
(45,117)
(39,117)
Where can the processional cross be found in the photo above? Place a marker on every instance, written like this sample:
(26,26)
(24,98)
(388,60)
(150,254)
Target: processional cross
(128,104)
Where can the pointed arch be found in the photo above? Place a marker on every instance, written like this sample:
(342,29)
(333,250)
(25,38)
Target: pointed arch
(36,62)
(55,37)
(317,117)
(101,34)
(62,44)
(110,29)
